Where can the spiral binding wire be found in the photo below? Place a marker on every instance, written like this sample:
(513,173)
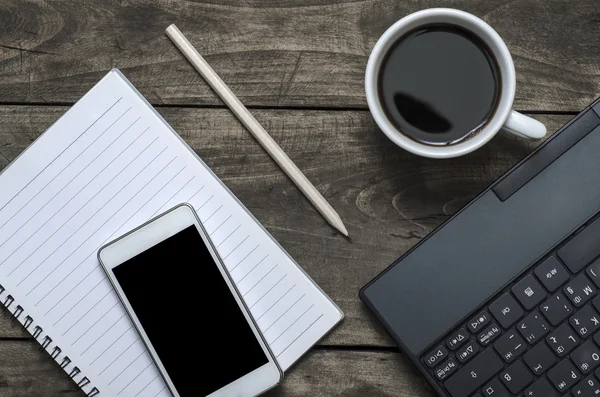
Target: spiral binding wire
(45,342)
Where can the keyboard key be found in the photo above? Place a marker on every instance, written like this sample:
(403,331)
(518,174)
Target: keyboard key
(436,356)
(589,387)
(541,388)
(529,292)
(596,303)
(489,334)
(510,346)
(476,395)
(479,321)
(556,309)
(516,377)
(533,327)
(457,339)
(506,310)
(580,290)
(495,389)
(582,249)
(552,274)
(593,272)
(586,321)
(597,338)
(540,358)
(586,357)
(474,374)
(467,352)
(563,376)
(562,340)
(447,368)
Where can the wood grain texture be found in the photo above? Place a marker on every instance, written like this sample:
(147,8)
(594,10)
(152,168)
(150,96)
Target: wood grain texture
(388,198)
(27,372)
(324,373)
(285,53)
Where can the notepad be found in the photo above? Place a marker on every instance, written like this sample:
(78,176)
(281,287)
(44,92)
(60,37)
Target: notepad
(108,165)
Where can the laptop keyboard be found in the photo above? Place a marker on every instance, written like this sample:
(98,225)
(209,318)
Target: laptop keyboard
(540,337)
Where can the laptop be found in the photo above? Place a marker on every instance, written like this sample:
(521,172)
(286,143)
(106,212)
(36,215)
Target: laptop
(503,298)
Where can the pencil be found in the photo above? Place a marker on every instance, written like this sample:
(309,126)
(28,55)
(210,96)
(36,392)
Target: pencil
(261,135)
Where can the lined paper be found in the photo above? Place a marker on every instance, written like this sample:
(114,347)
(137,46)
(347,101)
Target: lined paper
(110,164)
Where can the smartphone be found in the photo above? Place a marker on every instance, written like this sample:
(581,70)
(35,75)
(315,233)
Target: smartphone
(187,310)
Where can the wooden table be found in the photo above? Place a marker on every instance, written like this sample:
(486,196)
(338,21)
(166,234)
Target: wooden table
(299,65)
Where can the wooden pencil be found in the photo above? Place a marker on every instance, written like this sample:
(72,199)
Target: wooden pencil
(261,135)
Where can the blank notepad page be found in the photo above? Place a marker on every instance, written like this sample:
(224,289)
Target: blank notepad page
(107,166)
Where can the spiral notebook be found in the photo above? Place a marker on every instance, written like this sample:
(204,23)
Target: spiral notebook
(108,165)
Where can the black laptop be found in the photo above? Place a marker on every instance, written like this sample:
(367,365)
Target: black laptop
(503,298)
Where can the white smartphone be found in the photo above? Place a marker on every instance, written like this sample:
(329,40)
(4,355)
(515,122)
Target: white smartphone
(187,310)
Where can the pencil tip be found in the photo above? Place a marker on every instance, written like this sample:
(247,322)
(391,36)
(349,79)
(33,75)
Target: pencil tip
(343,230)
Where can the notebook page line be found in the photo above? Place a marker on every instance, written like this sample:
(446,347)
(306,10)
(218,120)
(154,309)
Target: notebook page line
(171,198)
(117,303)
(94,252)
(276,302)
(149,383)
(244,258)
(67,304)
(47,239)
(89,310)
(80,300)
(259,281)
(135,378)
(269,290)
(104,333)
(93,197)
(94,214)
(276,338)
(112,235)
(119,356)
(67,148)
(57,175)
(229,235)
(109,237)
(111,345)
(68,167)
(47,202)
(220,224)
(127,367)
(94,269)
(300,335)
(250,271)
(45,223)
(287,309)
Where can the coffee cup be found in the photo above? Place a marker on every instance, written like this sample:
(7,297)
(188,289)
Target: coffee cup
(440,71)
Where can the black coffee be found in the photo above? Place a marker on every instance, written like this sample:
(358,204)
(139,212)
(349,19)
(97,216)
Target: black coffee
(439,85)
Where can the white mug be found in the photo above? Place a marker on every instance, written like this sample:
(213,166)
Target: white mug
(503,117)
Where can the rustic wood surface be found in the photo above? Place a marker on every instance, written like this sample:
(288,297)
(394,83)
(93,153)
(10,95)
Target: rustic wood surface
(299,64)
(302,53)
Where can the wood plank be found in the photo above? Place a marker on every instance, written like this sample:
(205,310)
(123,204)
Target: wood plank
(26,372)
(353,374)
(388,198)
(284,53)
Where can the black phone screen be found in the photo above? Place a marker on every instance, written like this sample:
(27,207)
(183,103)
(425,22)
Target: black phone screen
(189,314)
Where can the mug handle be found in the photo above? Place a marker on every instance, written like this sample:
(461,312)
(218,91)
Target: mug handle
(523,126)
